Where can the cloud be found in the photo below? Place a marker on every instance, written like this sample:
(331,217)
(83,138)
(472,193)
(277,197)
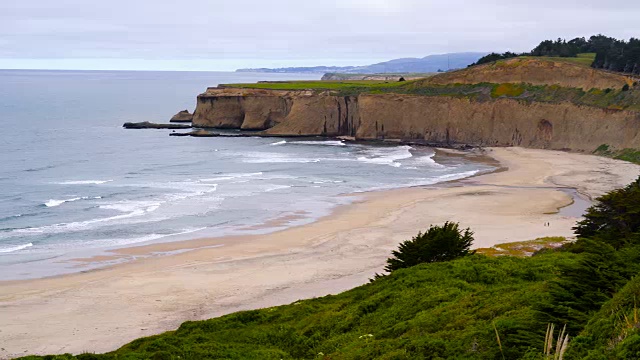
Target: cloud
(287,30)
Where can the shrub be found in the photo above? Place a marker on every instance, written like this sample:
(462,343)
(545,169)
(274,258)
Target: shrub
(508,90)
(625,87)
(614,218)
(439,243)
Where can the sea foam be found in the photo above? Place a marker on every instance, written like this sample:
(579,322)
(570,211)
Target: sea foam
(5,250)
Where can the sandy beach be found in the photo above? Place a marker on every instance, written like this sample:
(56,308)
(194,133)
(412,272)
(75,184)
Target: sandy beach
(100,310)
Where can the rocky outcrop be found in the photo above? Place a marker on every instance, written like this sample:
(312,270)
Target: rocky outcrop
(182,116)
(536,72)
(196,133)
(433,119)
(150,125)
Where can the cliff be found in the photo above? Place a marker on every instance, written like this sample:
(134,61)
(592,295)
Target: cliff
(434,119)
(535,71)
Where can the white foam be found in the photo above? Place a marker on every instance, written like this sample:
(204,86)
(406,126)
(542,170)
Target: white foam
(325,142)
(15,248)
(276,187)
(428,159)
(141,239)
(279,143)
(132,206)
(54,202)
(427,181)
(82,225)
(328,182)
(84,182)
(230,176)
(274,158)
(386,156)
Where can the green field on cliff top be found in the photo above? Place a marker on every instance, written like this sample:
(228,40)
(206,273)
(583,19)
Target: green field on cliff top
(614,99)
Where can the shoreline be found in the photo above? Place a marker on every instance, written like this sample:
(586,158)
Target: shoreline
(102,309)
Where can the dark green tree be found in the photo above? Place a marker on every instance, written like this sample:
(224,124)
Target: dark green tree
(615,218)
(439,243)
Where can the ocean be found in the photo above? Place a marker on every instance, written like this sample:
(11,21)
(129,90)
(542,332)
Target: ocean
(74,183)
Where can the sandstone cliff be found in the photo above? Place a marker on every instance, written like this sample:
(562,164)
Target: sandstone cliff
(536,72)
(440,119)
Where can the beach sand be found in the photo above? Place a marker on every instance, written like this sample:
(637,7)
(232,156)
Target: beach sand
(100,310)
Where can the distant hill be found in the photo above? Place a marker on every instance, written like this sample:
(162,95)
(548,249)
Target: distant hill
(427,64)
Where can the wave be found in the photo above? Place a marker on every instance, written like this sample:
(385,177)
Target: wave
(274,158)
(40,168)
(132,206)
(83,225)
(386,156)
(279,143)
(15,248)
(231,176)
(428,159)
(136,240)
(54,202)
(427,181)
(84,182)
(323,142)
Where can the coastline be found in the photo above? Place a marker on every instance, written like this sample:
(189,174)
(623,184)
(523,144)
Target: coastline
(100,310)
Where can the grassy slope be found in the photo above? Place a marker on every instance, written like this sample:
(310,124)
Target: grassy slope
(585,59)
(612,332)
(630,155)
(441,310)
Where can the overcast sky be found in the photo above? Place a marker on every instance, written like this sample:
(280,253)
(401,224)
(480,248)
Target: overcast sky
(225,35)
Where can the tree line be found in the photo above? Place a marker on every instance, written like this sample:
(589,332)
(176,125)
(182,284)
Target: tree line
(610,53)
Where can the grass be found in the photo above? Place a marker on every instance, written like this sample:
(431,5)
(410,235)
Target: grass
(508,90)
(344,87)
(600,98)
(630,155)
(523,248)
(614,331)
(431,311)
(584,59)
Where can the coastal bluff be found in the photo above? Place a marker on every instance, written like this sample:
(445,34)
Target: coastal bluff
(443,120)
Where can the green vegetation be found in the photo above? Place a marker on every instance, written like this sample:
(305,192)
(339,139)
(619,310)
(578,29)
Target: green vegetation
(584,59)
(599,51)
(472,307)
(508,90)
(523,248)
(354,77)
(606,99)
(615,219)
(631,155)
(350,87)
(431,311)
(439,243)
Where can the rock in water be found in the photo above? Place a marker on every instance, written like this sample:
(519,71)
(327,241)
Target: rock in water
(182,116)
(149,125)
(196,133)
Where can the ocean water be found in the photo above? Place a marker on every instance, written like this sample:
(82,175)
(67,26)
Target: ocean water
(74,183)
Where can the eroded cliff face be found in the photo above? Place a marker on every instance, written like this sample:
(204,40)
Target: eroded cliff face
(437,119)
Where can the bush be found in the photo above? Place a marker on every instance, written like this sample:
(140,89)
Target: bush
(615,218)
(439,243)
(625,87)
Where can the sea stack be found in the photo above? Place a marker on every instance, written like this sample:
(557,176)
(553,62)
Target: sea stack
(182,116)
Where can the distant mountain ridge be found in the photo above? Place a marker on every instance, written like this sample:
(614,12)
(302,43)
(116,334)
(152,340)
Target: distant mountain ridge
(427,64)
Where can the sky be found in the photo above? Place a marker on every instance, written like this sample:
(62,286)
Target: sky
(230,34)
